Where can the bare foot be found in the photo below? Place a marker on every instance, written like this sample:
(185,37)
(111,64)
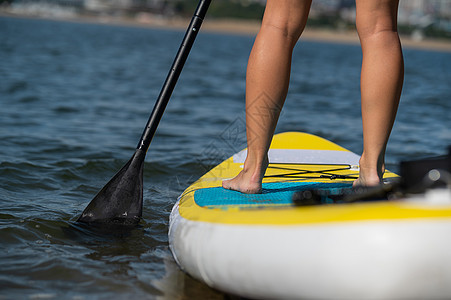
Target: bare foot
(369,176)
(366,180)
(249,180)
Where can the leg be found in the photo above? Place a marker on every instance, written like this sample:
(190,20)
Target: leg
(381,82)
(267,78)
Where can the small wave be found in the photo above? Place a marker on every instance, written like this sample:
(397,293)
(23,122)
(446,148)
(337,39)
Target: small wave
(17,86)
(66,110)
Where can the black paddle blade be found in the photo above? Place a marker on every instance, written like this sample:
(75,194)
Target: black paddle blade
(121,199)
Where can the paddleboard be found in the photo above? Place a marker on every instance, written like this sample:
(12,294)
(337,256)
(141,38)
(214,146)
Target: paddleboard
(263,246)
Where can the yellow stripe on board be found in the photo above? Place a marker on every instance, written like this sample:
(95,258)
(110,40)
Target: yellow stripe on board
(310,215)
(301,140)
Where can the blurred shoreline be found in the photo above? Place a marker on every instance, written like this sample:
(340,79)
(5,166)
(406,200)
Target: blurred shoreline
(236,26)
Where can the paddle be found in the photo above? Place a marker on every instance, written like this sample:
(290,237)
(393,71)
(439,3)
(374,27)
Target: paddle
(120,200)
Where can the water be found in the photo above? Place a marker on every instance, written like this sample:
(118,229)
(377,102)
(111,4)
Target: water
(74,100)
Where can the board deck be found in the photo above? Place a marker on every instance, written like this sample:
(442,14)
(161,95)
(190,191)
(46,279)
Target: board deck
(298,161)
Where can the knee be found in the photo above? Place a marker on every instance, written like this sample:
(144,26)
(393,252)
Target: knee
(367,29)
(373,20)
(286,18)
(287,31)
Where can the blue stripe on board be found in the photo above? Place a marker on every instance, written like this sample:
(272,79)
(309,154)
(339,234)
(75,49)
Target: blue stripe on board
(273,193)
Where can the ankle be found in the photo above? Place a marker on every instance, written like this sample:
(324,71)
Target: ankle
(371,171)
(256,167)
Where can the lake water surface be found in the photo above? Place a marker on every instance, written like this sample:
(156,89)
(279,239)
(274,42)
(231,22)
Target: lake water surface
(74,99)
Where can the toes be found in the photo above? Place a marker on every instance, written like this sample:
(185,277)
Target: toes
(228,184)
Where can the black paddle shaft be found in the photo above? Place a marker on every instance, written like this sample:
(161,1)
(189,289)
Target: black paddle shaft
(120,201)
(173,75)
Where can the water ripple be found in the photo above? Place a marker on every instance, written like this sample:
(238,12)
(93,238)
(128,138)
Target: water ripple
(75,98)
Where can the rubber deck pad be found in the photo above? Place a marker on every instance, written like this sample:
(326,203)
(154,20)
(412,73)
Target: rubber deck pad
(273,193)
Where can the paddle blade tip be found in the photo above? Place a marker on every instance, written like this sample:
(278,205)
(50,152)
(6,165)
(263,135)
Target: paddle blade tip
(120,200)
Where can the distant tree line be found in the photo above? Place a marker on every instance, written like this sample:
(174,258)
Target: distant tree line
(330,17)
